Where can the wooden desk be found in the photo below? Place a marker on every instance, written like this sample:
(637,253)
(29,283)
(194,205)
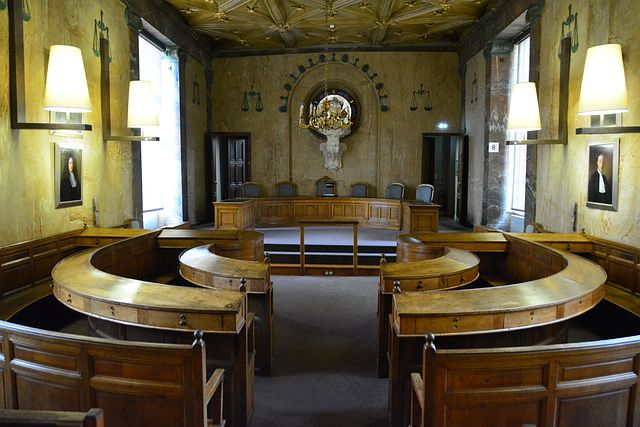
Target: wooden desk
(419,216)
(337,223)
(288,211)
(98,282)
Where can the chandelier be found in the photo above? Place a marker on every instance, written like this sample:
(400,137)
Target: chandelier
(333,111)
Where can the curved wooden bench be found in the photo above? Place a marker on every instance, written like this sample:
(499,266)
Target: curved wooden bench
(84,288)
(577,286)
(445,268)
(587,384)
(102,284)
(549,287)
(133,383)
(204,267)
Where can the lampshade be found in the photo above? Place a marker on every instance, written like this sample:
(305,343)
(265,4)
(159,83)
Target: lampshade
(66,88)
(604,90)
(142,107)
(524,114)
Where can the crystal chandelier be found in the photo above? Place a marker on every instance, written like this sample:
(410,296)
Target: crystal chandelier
(331,112)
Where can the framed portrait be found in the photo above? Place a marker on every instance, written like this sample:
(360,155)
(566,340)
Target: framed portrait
(602,183)
(68,175)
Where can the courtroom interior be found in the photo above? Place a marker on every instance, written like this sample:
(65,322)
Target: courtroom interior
(320,212)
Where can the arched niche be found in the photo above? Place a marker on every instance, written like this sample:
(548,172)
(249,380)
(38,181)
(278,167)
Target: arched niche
(360,160)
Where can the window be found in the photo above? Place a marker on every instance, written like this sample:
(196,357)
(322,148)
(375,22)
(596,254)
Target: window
(517,156)
(161,160)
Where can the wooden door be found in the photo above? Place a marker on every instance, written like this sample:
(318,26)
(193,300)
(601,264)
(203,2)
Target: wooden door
(428,160)
(237,166)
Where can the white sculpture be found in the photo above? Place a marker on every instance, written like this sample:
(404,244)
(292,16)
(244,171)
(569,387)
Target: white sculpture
(332,118)
(333,148)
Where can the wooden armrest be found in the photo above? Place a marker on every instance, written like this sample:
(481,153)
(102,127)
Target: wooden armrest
(215,381)
(92,418)
(418,387)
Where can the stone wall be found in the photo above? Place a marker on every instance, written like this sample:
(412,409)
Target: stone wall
(562,170)
(27,193)
(386,148)
(27,197)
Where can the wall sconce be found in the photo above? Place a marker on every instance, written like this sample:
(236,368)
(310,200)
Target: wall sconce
(524,112)
(141,109)
(65,66)
(604,89)
(529,90)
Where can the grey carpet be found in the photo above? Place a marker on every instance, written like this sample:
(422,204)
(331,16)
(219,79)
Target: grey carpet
(324,371)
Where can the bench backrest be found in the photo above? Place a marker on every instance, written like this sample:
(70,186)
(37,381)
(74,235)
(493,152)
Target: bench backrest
(30,263)
(133,383)
(585,384)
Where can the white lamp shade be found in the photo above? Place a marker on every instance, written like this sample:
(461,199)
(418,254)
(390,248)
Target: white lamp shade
(524,114)
(604,90)
(142,107)
(66,88)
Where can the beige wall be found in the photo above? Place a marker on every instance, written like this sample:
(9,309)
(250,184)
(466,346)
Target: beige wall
(387,147)
(27,202)
(562,172)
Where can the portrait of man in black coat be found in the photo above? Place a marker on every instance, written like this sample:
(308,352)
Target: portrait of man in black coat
(68,175)
(602,174)
(599,185)
(70,182)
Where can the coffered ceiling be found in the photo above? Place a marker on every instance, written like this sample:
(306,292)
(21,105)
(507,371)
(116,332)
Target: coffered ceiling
(279,26)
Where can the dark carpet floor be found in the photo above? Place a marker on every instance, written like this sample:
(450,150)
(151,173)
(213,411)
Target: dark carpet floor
(324,371)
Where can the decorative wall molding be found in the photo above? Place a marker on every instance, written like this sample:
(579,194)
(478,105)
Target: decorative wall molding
(322,59)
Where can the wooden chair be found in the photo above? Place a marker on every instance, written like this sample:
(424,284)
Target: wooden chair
(395,191)
(325,186)
(286,189)
(424,192)
(561,385)
(250,190)
(360,190)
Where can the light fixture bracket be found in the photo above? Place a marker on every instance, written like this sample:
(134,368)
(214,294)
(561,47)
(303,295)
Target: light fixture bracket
(563,110)
(17,78)
(105,99)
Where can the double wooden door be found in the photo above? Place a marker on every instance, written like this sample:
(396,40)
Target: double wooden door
(237,172)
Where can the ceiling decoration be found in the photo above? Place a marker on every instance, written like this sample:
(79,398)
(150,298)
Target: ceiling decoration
(299,25)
